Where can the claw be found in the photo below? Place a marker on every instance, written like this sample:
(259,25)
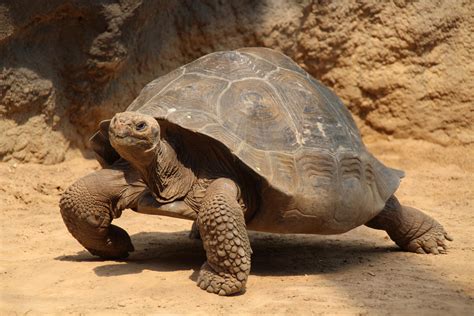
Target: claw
(448,237)
(430,242)
(441,244)
(420,251)
(212,282)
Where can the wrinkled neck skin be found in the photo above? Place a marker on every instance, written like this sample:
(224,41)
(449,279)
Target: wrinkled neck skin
(164,174)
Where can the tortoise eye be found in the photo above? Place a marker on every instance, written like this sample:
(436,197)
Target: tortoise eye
(140,126)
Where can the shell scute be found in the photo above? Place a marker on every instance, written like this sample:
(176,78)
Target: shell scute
(193,120)
(318,167)
(224,135)
(352,137)
(193,92)
(283,170)
(274,57)
(255,158)
(316,121)
(230,65)
(151,89)
(254,112)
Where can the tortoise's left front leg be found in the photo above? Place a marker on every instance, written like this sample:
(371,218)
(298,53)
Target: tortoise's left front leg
(90,204)
(222,228)
(410,228)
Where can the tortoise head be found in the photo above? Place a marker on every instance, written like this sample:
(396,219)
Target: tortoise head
(134,136)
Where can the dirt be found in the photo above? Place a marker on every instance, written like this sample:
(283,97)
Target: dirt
(44,270)
(404,68)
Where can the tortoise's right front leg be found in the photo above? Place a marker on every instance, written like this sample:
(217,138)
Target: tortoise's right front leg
(222,228)
(89,205)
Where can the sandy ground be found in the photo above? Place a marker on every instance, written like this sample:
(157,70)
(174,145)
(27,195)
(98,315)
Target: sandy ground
(44,270)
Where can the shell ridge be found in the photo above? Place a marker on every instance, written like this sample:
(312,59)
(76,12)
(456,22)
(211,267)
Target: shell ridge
(294,117)
(273,64)
(351,166)
(163,89)
(248,78)
(219,98)
(206,75)
(387,179)
(333,110)
(190,112)
(267,76)
(260,58)
(283,167)
(347,123)
(315,164)
(350,124)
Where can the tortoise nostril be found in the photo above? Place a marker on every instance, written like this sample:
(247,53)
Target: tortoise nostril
(118,121)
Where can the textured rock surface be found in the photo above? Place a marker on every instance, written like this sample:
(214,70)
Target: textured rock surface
(404,68)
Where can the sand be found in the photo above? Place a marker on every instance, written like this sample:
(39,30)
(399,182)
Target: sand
(44,270)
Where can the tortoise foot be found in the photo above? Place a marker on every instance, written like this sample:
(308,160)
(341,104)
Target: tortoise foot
(411,229)
(219,283)
(431,241)
(116,245)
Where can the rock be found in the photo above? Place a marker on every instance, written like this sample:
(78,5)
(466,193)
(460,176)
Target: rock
(403,68)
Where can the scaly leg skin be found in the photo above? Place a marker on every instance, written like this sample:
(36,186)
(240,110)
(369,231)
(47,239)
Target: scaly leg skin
(89,205)
(411,229)
(222,229)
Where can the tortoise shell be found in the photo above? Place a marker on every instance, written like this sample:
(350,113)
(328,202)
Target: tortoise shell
(284,125)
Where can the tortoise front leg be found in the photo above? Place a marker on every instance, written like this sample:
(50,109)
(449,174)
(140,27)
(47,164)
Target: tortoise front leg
(89,205)
(222,227)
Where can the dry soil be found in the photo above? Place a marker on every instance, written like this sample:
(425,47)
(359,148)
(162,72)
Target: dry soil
(44,270)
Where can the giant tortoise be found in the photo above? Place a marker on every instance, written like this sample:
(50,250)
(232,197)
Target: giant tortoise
(239,140)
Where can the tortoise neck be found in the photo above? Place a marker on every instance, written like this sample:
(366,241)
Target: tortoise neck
(166,176)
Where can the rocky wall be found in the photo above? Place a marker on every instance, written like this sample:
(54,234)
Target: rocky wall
(404,68)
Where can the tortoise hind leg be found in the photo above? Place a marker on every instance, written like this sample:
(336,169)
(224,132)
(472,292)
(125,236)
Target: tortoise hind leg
(89,205)
(222,229)
(411,229)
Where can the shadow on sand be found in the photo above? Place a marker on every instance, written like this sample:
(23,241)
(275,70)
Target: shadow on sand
(273,255)
(345,263)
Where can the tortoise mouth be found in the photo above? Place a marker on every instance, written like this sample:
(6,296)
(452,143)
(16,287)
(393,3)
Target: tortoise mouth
(121,136)
(129,140)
